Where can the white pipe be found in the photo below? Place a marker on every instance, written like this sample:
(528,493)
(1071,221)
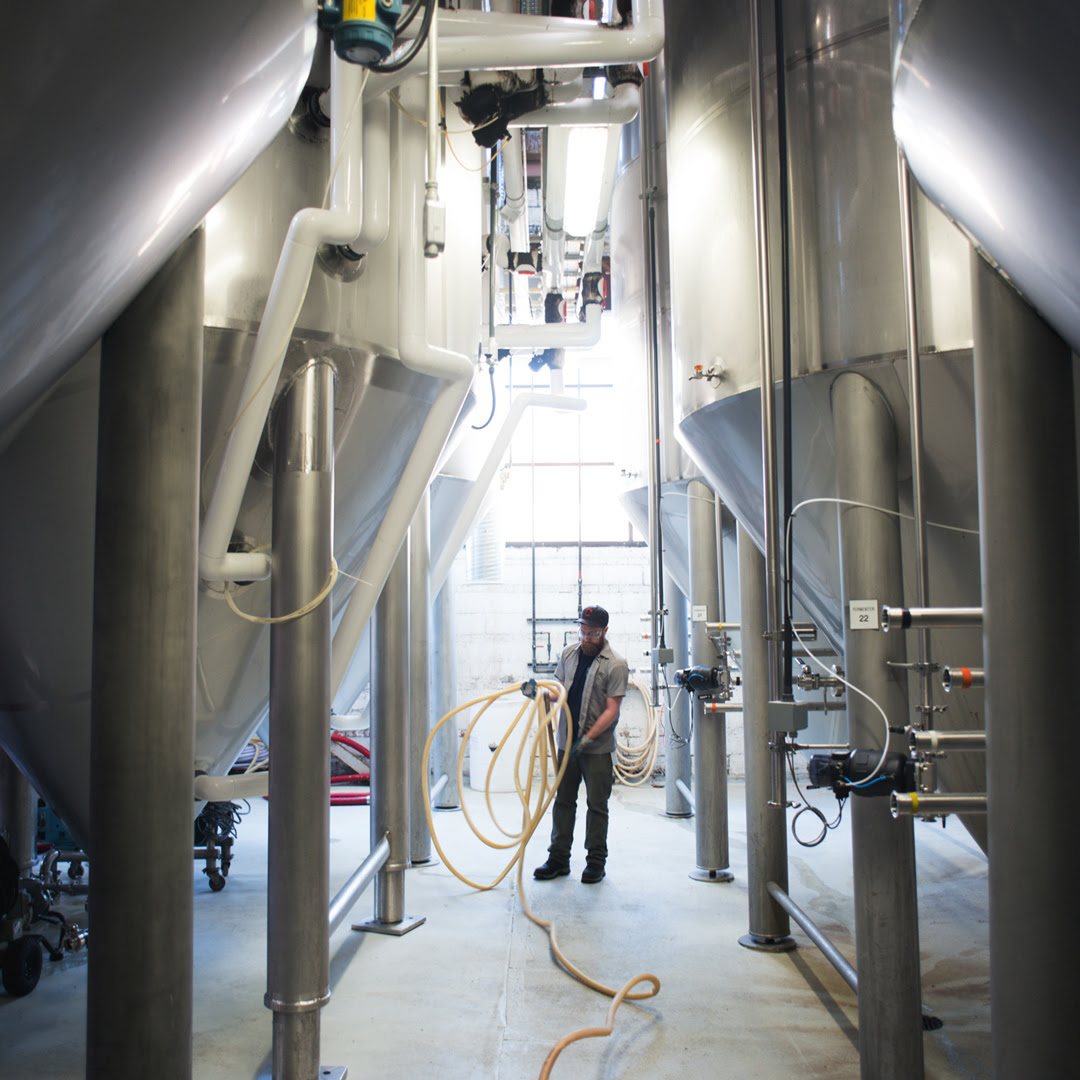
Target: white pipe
(376,176)
(594,245)
(568,335)
(419,355)
(309,228)
(494,459)
(620,108)
(556,146)
(514,175)
(227,788)
(476,40)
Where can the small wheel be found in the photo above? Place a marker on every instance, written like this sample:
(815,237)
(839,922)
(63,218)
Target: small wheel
(217,881)
(75,870)
(22,966)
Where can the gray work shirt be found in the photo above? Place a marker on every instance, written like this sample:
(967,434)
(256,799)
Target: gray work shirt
(608,677)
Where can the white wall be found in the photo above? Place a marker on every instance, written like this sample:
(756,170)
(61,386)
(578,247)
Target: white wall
(493,643)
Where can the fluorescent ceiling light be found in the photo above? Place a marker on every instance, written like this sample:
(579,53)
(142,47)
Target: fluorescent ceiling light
(584,176)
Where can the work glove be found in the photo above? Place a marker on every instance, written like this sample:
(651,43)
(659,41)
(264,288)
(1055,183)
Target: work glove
(529,688)
(581,746)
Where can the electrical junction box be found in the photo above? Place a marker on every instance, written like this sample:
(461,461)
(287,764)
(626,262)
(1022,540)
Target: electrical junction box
(788,715)
(663,656)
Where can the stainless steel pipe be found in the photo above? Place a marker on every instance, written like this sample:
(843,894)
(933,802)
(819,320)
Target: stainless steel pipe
(766,823)
(902,618)
(914,804)
(886,912)
(922,570)
(1029,525)
(419,675)
(18,814)
(710,737)
(444,747)
(361,878)
(814,933)
(390,739)
(962,678)
(933,741)
(298,948)
(759,172)
(142,728)
(677,765)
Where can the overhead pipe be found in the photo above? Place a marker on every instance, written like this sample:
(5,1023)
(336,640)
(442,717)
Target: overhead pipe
(594,243)
(568,335)
(417,354)
(310,227)
(942,618)
(477,494)
(478,40)
(586,111)
(916,804)
(553,234)
(963,678)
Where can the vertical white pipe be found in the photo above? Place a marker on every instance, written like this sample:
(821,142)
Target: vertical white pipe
(340,224)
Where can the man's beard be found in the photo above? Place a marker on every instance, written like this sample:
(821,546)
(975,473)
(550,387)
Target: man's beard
(591,648)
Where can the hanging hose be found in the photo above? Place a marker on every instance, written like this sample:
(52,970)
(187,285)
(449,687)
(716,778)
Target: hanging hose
(538,734)
(634,764)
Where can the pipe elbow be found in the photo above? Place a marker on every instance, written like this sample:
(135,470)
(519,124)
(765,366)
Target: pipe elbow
(234,566)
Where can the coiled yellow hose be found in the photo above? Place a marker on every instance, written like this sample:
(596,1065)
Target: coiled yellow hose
(538,734)
(634,764)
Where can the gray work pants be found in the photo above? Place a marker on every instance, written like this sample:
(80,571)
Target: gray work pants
(597,772)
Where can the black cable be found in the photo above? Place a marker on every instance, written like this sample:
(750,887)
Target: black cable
(825,823)
(491,416)
(217,821)
(785,323)
(387,67)
(406,19)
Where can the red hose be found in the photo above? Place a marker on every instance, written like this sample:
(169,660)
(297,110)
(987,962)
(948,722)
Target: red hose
(351,778)
(336,736)
(343,799)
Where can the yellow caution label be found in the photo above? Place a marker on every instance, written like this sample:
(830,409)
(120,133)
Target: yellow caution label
(359,9)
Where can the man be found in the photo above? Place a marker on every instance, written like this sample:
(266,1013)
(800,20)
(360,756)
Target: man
(596,677)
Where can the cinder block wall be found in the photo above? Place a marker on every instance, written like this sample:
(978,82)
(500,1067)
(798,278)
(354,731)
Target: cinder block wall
(493,642)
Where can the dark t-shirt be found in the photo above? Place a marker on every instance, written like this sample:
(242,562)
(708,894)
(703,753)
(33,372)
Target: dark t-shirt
(573,695)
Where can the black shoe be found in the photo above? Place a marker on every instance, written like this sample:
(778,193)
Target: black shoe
(592,874)
(550,870)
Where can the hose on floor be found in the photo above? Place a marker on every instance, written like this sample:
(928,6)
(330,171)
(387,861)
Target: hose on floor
(535,747)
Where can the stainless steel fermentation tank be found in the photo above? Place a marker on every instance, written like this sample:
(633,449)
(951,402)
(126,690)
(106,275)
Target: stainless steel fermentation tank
(47,471)
(847,300)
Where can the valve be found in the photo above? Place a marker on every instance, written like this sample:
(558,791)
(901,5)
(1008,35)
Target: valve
(363,30)
(843,771)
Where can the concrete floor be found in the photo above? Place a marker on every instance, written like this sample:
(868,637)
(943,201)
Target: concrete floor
(473,993)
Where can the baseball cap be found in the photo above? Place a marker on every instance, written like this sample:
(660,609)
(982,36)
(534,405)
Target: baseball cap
(594,615)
